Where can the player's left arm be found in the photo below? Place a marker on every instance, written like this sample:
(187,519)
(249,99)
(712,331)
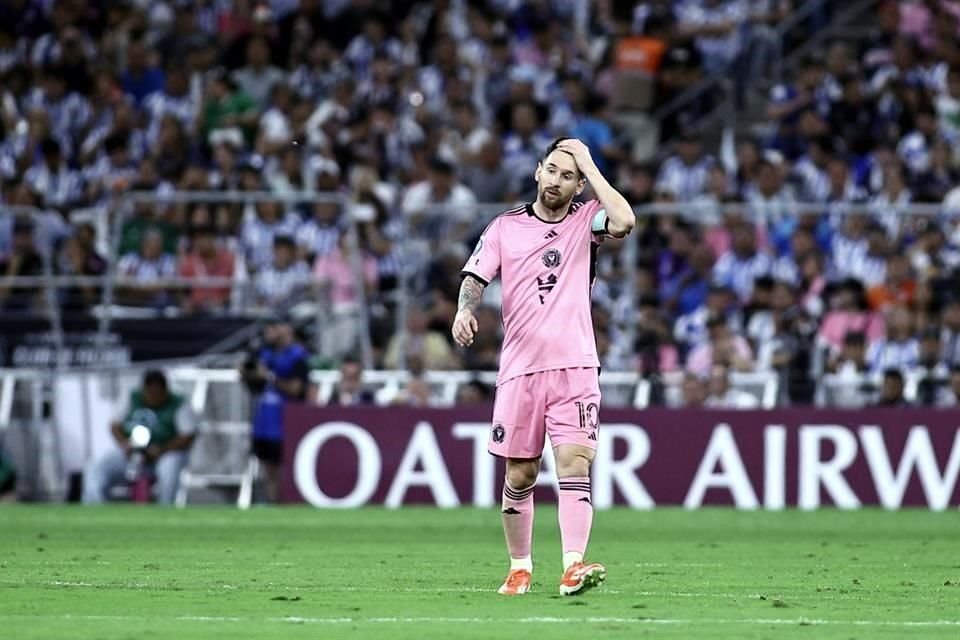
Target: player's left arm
(620,216)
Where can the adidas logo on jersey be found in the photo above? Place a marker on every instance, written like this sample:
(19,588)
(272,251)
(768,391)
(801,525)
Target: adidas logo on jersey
(551,234)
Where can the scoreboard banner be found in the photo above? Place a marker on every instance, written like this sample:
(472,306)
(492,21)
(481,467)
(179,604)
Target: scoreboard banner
(805,458)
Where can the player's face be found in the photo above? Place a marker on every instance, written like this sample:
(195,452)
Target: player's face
(558,180)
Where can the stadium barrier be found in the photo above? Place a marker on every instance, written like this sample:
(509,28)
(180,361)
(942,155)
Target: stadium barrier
(804,458)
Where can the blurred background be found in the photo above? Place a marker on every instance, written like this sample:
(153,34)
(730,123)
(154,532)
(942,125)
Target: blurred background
(199,185)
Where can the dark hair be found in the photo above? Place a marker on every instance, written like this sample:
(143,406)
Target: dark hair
(350,359)
(553,147)
(442,166)
(155,378)
(893,373)
(855,338)
(283,241)
(49,147)
(716,321)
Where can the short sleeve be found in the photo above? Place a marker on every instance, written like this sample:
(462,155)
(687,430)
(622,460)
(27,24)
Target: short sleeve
(594,216)
(185,420)
(484,263)
(121,411)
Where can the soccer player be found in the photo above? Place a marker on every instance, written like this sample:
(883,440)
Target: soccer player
(548,384)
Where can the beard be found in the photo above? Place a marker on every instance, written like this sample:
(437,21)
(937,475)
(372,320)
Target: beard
(553,201)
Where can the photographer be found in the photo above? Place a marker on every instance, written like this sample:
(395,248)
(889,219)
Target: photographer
(172,427)
(276,374)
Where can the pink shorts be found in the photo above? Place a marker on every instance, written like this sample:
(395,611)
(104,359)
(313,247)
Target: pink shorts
(561,403)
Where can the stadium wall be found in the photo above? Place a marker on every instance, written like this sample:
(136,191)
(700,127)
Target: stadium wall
(803,458)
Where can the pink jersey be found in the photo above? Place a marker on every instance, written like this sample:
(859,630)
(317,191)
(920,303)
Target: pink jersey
(547,272)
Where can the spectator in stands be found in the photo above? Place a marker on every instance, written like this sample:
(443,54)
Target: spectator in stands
(349,391)
(336,276)
(810,170)
(739,267)
(441,202)
(950,331)
(847,311)
(789,101)
(870,267)
(653,348)
(206,259)
(78,257)
(769,198)
(942,175)
(899,349)
(431,347)
(932,256)
(523,146)
(277,374)
(473,392)
(172,428)
(891,390)
(23,260)
(285,281)
(694,391)
(693,287)
(320,235)
(930,370)
(887,207)
(950,397)
(259,231)
(686,172)
(416,392)
(488,178)
(484,354)
(673,262)
(898,287)
(723,348)
(141,77)
(226,105)
(145,271)
(690,330)
(113,172)
(52,178)
(725,396)
(258,77)
(716,27)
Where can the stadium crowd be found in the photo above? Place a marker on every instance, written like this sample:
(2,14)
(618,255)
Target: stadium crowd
(790,253)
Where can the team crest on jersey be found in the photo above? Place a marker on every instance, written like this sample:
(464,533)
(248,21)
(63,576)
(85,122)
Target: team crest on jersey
(498,433)
(551,258)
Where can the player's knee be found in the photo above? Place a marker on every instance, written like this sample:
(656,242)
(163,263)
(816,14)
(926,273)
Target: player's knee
(573,465)
(521,475)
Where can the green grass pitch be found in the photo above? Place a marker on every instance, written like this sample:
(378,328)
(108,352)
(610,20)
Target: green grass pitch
(132,572)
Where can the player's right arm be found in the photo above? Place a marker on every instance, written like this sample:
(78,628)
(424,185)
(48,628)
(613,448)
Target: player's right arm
(481,267)
(465,324)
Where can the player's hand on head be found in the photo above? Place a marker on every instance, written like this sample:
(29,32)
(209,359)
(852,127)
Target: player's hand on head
(579,151)
(465,327)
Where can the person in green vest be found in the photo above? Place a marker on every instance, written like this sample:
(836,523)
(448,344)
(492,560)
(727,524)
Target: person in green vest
(172,428)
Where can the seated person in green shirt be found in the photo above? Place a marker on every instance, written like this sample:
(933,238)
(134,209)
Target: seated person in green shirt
(172,427)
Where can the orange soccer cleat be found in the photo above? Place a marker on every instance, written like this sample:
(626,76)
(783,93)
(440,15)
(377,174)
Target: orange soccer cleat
(580,577)
(516,584)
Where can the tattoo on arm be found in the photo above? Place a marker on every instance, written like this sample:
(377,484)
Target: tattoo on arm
(470,292)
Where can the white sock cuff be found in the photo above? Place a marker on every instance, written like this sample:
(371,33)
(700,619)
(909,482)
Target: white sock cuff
(571,557)
(521,563)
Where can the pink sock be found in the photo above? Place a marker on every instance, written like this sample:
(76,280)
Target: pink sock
(518,520)
(576,514)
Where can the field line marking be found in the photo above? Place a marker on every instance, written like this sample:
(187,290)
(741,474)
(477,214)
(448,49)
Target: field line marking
(349,589)
(525,620)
